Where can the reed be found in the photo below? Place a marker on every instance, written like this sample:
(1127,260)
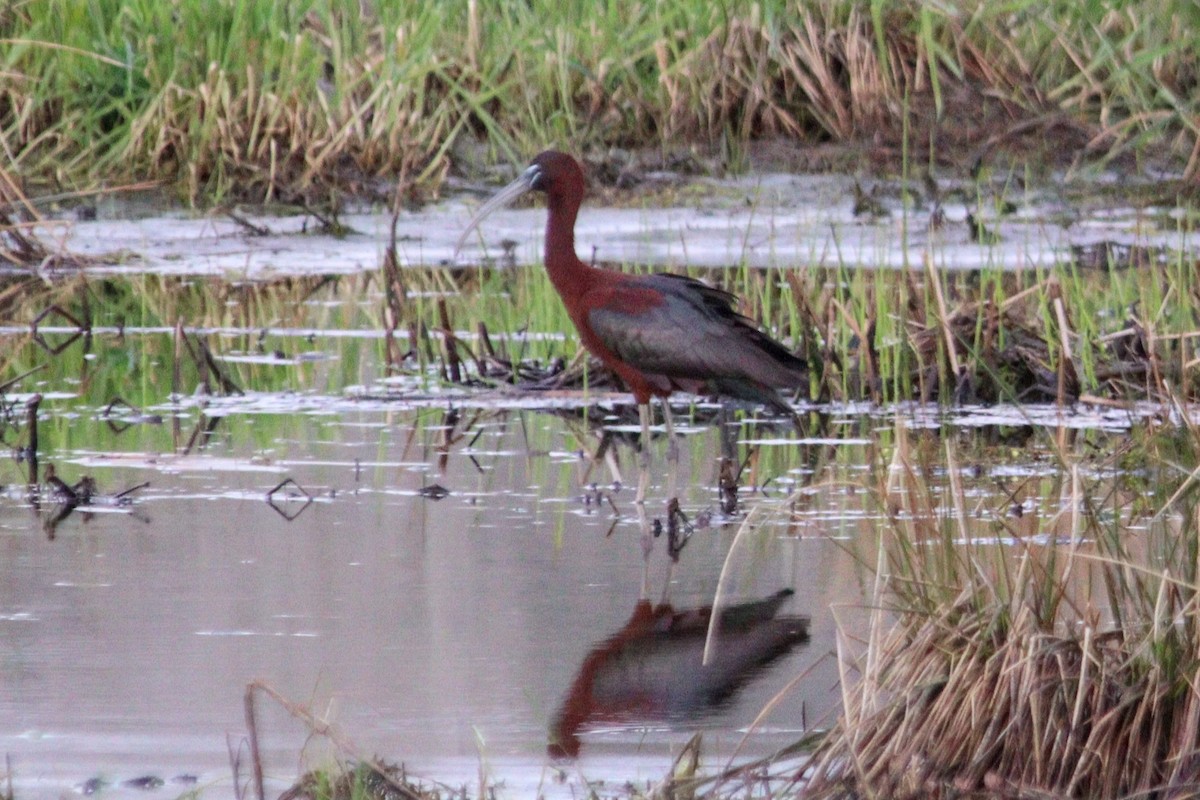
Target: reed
(1062,666)
(1113,335)
(265,100)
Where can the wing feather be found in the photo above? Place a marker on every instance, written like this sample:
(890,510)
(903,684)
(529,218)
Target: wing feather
(691,333)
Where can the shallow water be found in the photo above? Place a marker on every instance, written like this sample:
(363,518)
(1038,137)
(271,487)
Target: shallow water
(762,221)
(448,633)
(444,633)
(439,630)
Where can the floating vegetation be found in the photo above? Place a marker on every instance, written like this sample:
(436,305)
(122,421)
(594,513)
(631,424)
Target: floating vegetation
(355,777)
(359,781)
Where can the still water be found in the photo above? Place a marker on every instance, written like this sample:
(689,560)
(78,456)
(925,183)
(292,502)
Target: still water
(445,633)
(439,575)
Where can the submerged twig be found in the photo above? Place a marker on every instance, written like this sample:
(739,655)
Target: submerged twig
(392,777)
(255,750)
(31,447)
(450,342)
(10,383)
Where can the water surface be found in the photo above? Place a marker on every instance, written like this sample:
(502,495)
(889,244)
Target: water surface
(439,565)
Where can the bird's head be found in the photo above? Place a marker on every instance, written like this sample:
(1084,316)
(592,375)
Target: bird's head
(555,173)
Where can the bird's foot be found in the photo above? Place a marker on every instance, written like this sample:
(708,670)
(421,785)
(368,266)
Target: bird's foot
(672,441)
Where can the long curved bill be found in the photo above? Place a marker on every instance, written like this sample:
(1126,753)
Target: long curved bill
(523,184)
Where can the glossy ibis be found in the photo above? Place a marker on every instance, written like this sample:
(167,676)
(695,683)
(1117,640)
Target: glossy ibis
(659,333)
(653,668)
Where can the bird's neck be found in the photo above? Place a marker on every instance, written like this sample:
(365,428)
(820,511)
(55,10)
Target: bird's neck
(564,267)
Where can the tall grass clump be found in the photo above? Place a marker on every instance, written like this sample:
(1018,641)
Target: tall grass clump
(19,241)
(1068,335)
(1063,665)
(1065,334)
(270,99)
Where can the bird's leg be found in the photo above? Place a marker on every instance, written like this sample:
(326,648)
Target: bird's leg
(610,458)
(606,451)
(727,481)
(640,501)
(644,456)
(672,455)
(666,592)
(672,445)
(647,548)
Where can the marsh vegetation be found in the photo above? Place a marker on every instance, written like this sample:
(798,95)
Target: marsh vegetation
(989,513)
(288,101)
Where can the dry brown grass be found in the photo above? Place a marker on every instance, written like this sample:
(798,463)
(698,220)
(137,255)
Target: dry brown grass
(19,243)
(1065,669)
(983,697)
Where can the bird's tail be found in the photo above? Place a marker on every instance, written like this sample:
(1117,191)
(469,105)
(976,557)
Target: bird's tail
(757,393)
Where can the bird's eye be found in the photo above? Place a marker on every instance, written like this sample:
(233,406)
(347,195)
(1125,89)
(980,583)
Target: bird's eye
(536,177)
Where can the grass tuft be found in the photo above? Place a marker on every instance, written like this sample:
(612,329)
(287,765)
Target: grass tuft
(1066,668)
(268,100)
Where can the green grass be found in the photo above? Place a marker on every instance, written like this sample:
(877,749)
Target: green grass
(1130,333)
(266,99)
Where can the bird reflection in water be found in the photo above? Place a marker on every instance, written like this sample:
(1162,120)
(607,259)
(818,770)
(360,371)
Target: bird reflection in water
(660,333)
(652,668)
